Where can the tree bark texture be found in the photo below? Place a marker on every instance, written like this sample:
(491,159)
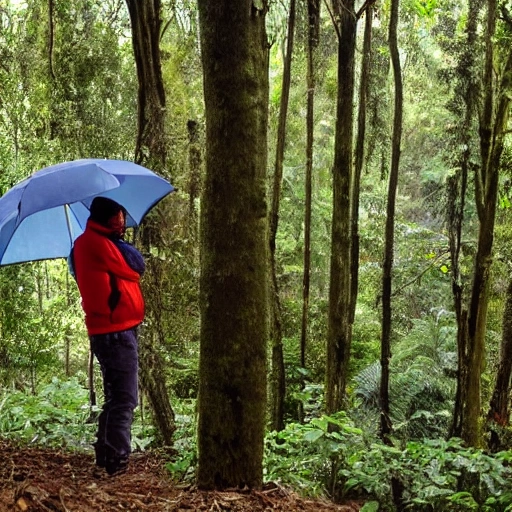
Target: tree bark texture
(278,383)
(385,423)
(313,35)
(499,409)
(234,245)
(151,147)
(457,188)
(492,129)
(152,338)
(151,151)
(339,328)
(152,377)
(364,89)
(194,187)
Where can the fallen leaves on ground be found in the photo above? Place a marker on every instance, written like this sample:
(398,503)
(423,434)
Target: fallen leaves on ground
(34,479)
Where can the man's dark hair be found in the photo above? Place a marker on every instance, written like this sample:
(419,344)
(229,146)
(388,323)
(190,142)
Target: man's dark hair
(103,208)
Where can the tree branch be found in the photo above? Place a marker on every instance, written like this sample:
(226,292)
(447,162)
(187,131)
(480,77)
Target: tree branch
(423,272)
(364,8)
(333,18)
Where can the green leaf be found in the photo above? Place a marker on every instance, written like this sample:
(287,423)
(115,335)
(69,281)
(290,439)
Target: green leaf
(464,498)
(313,435)
(371,506)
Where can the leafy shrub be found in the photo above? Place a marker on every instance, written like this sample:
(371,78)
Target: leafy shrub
(182,468)
(436,475)
(184,378)
(330,456)
(56,416)
(422,383)
(310,457)
(59,415)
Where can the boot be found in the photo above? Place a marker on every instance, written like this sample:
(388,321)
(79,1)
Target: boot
(101,455)
(114,463)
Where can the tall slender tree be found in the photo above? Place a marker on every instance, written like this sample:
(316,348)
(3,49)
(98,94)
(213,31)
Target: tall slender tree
(499,408)
(486,193)
(278,370)
(397,486)
(496,139)
(364,89)
(151,147)
(385,423)
(339,329)
(493,120)
(234,245)
(467,88)
(313,39)
(151,150)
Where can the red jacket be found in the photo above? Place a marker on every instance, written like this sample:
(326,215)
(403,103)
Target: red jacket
(111,295)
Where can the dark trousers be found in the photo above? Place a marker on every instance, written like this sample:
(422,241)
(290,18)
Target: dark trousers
(118,358)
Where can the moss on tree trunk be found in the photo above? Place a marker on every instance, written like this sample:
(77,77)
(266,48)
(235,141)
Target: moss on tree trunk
(234,246)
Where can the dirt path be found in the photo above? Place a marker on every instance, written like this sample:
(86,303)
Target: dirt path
(35,479)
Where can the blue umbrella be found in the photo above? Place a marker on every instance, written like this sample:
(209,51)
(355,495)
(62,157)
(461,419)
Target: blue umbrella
(41,216)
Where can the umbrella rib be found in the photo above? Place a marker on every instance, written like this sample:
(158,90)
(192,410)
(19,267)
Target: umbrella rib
(68,220)
(6,245)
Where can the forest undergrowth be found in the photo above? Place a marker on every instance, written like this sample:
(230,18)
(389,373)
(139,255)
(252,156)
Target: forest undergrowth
(35,479)
(325,463)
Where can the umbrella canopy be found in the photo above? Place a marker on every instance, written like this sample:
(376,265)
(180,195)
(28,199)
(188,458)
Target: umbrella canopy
(41,216)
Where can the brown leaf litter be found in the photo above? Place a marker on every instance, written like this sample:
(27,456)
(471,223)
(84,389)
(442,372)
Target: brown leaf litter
(35,479)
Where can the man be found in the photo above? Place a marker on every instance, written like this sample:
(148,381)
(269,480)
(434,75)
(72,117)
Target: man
(108,271)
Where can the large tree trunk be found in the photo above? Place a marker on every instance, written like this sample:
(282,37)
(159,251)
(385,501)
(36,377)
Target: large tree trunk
(151,151)
(278,388)
(339,327)
(234,245)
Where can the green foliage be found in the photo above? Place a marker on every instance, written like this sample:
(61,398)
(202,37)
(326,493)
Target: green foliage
(365,338)
(327,456)
(433,474)
(310,457)
(422,381)
(28,342)
(41,324)
(184,377)
(56,416)
(181,71)
(430,345)
(82,102)
(59,415)
(330,456)
(183,464)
